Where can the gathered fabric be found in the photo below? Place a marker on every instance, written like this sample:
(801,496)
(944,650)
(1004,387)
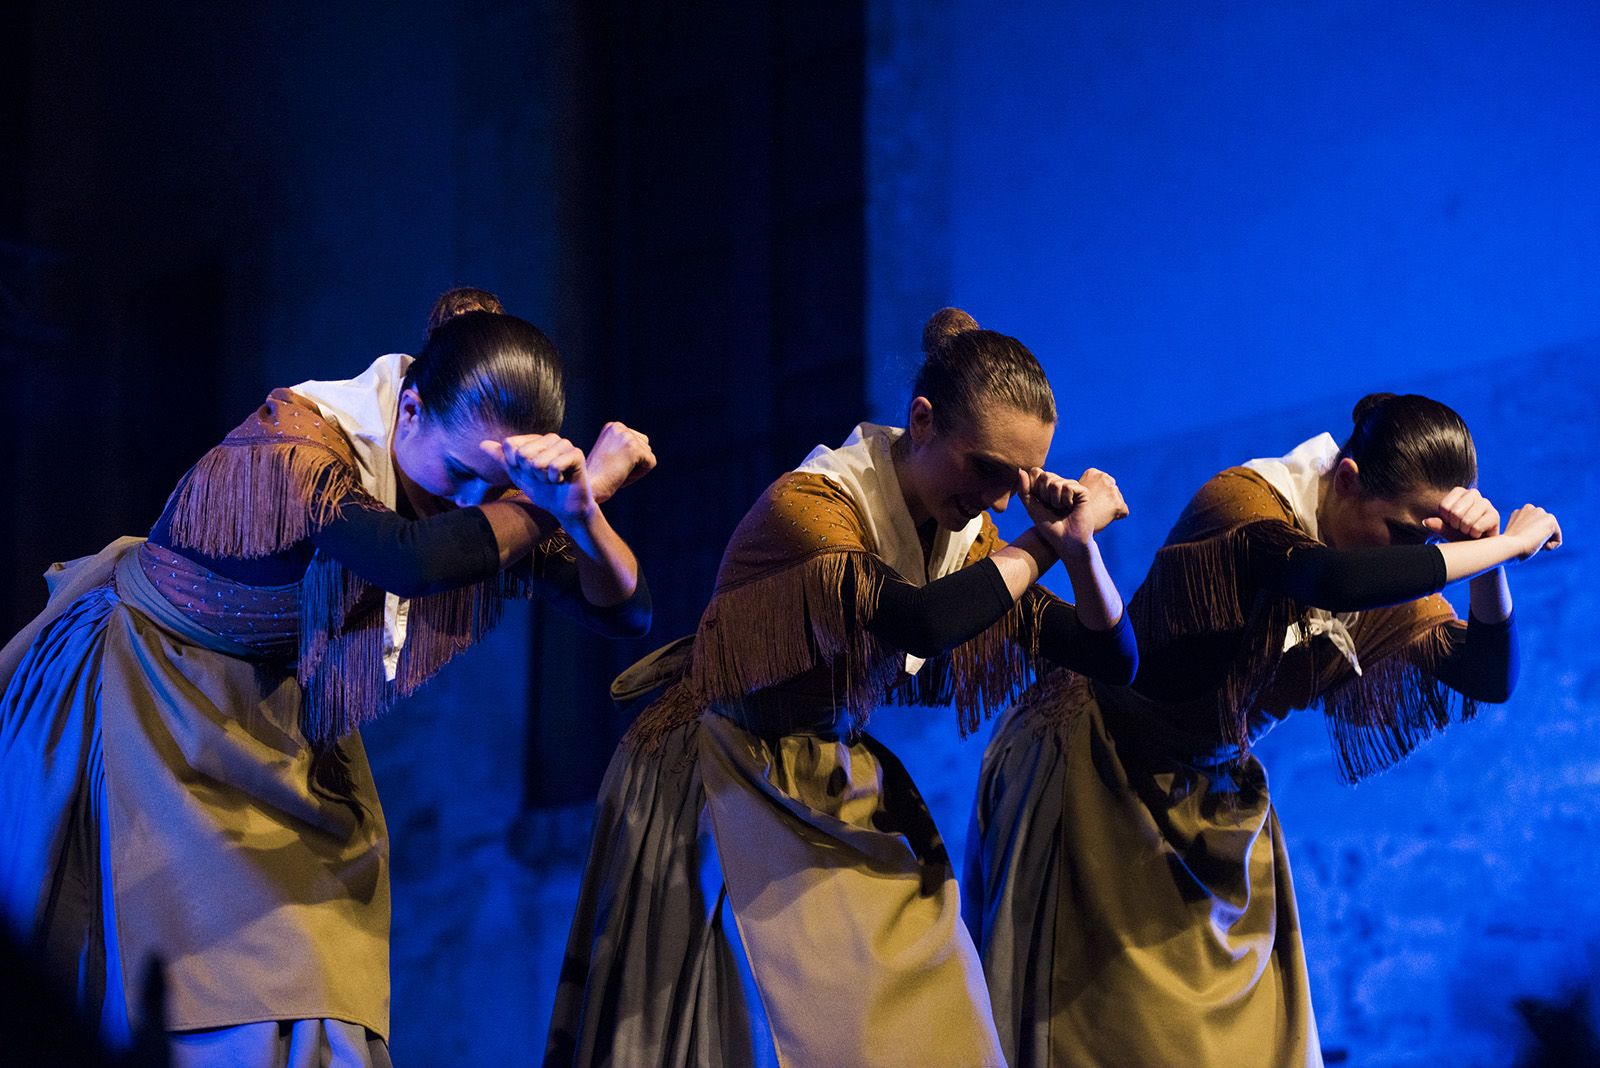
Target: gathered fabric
(1127,880)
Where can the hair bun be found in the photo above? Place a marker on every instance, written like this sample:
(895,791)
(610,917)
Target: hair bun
(943,325)
(1366,404)
(460,301)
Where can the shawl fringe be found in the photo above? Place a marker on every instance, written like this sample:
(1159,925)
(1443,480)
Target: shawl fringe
(779,626)
(988,672)
(252,499)
(1377,719)
(1193,587)
(341,669)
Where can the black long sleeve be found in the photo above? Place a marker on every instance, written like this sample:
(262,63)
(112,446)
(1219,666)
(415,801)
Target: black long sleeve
(412,557)
(408,557)
(1108,655)
(415,557)
(1482,662)
(1353,580)
(928,620)
(557,579)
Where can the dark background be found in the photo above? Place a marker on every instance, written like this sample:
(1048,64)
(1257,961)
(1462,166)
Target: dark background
(1216,225)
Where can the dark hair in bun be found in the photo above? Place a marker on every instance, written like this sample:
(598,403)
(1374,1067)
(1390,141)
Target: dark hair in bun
(491,367)
(461,300)
(965,368)
(1402,443)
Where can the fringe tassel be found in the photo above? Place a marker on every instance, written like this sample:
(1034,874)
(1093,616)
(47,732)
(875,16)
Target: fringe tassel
(781,625)
(675,708)
(1193,587)
(982,676)
(251,500)
(775,628)
(340,667)
(1378,719)
(444,625)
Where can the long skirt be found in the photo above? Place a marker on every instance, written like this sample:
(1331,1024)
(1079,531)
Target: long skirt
(1131,907)
(161,845)
(768,900)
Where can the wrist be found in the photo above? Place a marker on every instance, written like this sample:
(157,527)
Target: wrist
(582,517)
(1073,553)
(1039,547)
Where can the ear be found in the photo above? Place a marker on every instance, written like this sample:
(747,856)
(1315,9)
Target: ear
(919,421)
(409,417)
(1347,478)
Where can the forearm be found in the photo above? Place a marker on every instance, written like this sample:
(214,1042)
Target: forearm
(607,569)
(1022,562)
(413,557)
(1490,596)
(518,526)
(1467,559)
(1110,655)
(1354,580)
(1098,602)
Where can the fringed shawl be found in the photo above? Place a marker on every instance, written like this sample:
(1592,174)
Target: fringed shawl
(1201,581)
(278,478)
(798,581)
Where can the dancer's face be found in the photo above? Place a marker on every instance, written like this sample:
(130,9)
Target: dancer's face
(955,469)
(448,461)
(1351,519)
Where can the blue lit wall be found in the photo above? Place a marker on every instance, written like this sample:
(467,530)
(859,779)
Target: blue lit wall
(1218,226)
(1200,212)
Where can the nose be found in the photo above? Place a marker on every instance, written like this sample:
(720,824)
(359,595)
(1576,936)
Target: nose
(1000,504)
(471,496)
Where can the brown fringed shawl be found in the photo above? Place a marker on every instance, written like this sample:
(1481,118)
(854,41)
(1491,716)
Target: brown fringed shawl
(1201,582)
(797,582)
(273,482)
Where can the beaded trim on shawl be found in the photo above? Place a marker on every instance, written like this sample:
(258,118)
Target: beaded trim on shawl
(1375,719)
(797,583)
(276,480)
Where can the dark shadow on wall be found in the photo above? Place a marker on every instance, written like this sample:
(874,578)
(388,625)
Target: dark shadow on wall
(713,206)
(1561,1031)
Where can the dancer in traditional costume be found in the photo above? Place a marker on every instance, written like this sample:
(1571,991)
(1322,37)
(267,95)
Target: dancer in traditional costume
(766,886)
(1127,882)
(183,790)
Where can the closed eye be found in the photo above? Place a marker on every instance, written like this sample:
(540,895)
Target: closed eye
(1401,534)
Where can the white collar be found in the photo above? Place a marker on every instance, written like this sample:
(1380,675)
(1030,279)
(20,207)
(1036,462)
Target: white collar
(365,409)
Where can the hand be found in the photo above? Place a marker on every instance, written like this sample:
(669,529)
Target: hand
(1464,515)
(1535,529)
(550,470)
(621,456)
(1070,512)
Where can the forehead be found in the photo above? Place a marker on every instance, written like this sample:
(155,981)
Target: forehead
(1413,506)
(462,443)
(1004,433)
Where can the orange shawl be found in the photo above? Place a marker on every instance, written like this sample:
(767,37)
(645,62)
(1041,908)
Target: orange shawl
(1197,584)
(797,583)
